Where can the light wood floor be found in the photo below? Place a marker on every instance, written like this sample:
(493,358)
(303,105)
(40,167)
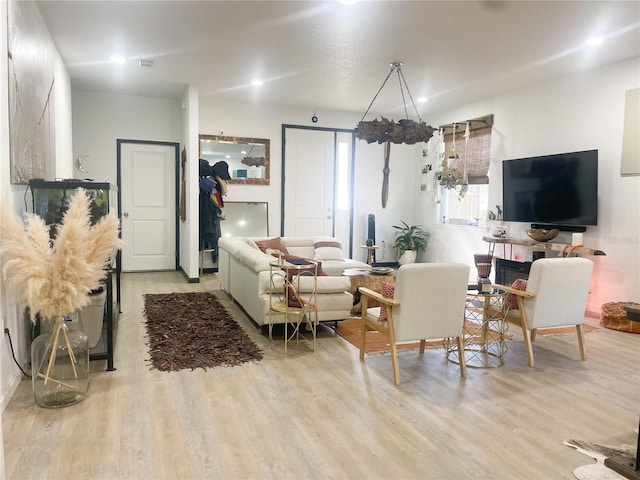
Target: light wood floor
(327,415)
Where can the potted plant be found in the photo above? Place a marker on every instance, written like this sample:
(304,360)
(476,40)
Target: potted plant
(410,240)
(53,277)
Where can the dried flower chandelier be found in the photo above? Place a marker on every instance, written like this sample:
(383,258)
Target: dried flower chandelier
(384,130)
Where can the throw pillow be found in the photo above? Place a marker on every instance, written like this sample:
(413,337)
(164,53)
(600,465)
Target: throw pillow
(273,244)
(388,290)
(512,299)
(294,299)
(328,250)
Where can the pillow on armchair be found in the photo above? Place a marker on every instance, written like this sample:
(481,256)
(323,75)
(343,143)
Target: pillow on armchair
(512,299)
(388,290)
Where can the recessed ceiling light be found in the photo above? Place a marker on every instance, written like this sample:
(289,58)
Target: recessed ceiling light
(118,59)
(594,41)
(422,100)
(256,83)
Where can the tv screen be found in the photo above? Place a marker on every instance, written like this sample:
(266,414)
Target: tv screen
(559,189)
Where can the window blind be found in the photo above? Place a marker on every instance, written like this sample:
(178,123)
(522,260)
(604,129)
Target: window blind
(474,154)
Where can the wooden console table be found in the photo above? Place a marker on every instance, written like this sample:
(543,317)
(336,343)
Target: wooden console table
(565,249)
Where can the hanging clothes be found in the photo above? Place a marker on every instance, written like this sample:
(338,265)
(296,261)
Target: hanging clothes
(209,218)
(213,188)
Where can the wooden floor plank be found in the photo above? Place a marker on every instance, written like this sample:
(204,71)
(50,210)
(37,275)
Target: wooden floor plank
(326,414)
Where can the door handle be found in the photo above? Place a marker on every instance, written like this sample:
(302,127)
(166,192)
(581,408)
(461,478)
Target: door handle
(125,214)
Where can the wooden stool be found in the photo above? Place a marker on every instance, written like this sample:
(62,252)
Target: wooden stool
(370,250)
(202,252)
(613,316)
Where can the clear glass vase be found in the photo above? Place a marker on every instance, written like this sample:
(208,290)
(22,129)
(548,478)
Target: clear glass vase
(60,366)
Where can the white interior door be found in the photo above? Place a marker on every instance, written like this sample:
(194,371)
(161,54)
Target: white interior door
(309,183)
(148,206)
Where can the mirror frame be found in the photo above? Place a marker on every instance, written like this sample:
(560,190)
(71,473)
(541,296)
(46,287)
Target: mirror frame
(267,162)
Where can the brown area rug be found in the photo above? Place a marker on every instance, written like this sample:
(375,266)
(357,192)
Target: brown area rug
(193,330)
(349,329)
(565,330)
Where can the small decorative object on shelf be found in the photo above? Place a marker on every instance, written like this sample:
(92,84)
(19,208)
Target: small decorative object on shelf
(542,234)
(54,278)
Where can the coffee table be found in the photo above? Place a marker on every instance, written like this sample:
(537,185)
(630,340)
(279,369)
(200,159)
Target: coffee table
(364,278)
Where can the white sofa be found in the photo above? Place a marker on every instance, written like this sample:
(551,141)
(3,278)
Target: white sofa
(243,271)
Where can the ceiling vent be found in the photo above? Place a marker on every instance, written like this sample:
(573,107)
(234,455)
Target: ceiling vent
(146,63)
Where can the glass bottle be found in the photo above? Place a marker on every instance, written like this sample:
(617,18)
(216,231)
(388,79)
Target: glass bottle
(60,366)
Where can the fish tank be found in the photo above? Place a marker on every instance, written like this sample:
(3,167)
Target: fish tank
(51,199)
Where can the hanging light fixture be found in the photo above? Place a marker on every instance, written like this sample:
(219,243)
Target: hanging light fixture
(384,130)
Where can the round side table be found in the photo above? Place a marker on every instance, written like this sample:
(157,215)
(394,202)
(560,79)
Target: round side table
(484,330)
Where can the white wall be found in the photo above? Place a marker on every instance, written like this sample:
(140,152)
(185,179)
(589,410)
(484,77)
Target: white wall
(580,112)
(189,228)
(265,121)
(10,313)
(100,119)
(5,373)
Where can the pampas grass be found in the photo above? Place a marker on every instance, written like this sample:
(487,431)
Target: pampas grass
(54,279)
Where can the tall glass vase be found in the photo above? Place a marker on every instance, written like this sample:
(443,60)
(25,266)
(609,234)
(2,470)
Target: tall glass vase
(60,366)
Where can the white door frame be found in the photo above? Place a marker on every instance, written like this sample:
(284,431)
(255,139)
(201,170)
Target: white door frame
(176,147)
(351,173)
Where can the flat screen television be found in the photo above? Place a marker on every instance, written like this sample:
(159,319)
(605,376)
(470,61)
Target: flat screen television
(552,190)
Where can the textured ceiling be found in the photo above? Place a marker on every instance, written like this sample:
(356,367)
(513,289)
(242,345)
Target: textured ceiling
(326,55)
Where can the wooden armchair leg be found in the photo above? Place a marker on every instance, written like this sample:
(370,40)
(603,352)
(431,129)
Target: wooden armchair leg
(422,345)
(527,345)
(583,355)
(363,338)
(463,363)
(394,362)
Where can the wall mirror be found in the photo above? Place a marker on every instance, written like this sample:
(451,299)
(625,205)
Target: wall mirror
(245,219)
(248,158)
(241,219)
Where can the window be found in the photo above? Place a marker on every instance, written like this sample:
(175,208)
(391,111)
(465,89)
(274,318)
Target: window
(463,171)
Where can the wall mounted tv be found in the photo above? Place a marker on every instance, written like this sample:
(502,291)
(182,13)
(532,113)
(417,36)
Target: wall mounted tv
(553,190)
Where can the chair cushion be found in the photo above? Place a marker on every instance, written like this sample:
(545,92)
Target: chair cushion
(512,299)
(251,243)
(388,289)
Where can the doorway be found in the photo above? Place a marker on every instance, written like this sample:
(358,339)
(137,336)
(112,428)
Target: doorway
(147,204)
(317,182)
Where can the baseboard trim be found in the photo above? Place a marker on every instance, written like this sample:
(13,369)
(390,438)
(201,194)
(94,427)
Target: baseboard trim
(188,278)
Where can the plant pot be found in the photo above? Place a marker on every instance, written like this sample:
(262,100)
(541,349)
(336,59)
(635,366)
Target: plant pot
(60,367)
(409,256)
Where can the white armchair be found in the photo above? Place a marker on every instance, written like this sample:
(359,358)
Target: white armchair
(428,302)
(556,295)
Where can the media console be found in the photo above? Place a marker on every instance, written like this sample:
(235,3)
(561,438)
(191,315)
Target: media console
(565,249)
(508,270)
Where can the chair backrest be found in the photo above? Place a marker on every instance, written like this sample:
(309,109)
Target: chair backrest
(561,287)
(432,300)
